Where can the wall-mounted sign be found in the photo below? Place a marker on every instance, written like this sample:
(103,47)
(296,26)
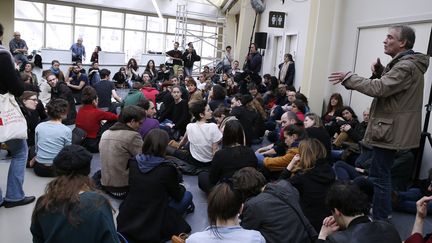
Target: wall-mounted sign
(276,19)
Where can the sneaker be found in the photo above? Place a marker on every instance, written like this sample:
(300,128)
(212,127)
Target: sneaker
(24,201)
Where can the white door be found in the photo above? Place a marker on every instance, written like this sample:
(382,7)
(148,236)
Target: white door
(291,45)
(278,54)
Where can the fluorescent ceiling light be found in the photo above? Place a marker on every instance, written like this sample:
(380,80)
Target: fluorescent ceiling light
(157,9)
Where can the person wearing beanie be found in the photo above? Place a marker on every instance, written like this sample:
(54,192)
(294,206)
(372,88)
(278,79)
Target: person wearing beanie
(71,210)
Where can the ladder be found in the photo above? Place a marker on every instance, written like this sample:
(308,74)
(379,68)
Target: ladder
(183,31)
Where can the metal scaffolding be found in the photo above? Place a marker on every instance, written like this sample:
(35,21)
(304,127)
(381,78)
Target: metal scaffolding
(183,15)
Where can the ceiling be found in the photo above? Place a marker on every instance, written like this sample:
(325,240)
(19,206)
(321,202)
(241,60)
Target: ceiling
(167,7)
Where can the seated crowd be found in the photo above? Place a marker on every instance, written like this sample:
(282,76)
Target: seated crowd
(304,183)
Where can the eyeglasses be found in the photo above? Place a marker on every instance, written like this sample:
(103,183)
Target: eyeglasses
(34,100)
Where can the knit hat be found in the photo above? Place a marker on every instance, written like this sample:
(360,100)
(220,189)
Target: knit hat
(73,159)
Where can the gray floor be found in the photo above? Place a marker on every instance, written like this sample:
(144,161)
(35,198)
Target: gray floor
(15,222)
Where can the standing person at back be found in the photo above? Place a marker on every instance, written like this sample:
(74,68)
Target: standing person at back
(395,113)
(9,82)
(78,51)
(176,56)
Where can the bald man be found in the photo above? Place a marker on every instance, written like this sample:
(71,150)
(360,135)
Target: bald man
(78,51)
(18,48)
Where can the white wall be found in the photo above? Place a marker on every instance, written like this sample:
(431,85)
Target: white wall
(361,25)
(296,22)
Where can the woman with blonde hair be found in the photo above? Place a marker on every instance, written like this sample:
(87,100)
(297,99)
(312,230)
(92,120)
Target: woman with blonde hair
(312,175)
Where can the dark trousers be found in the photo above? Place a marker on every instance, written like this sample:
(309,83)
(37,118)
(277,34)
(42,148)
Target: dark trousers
(43,170)
(380,175)
(204,182)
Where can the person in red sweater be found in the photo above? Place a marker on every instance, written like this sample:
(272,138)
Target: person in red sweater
(149,92)
(89,119)
(416,235)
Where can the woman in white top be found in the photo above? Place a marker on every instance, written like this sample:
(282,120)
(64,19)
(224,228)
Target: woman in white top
(203,137)
(224,205)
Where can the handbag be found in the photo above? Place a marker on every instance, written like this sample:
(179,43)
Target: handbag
(181,238)
(13,124)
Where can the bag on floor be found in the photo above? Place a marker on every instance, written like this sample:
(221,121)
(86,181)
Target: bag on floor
(181,238)
(13,124)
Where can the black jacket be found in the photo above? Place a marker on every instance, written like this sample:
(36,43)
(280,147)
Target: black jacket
(9,76)
(228,160)
(144,216)
(312,186)
(62,91)
(270,214)
(188,61)
(289,77)
(251,121)
(361,230)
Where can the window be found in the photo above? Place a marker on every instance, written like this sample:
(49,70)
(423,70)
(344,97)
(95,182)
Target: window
(169,42)
(50,24)
(155,42)
(156,24)
(87,16)
(210,31)
(32,33)
(196,43)
(134,44)
(29,10)
(58,13)
(112,19)
(194,29)
(90,38)
(172,26)
(58,36)
(136,22)
(111,40)
(208,48)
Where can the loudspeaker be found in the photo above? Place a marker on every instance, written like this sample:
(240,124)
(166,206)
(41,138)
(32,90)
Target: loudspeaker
(429,50)
(261,40)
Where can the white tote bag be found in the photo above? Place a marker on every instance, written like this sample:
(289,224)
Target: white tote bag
(13,124)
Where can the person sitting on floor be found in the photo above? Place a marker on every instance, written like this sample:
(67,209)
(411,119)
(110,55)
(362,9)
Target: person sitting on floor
(153,209)
(310,172)
(224,205)
(422,211)
(71,210)
(349,221)
(293,135)
(176,117)
(150,122)
(89,119)
(50,138)
(203,137)
(134,95)
(272,208)
(233,156)
(117,145)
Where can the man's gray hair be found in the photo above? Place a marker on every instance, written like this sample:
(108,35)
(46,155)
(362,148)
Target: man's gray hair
(406,33)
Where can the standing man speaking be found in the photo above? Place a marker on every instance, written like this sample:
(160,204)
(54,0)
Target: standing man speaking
(395,113)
